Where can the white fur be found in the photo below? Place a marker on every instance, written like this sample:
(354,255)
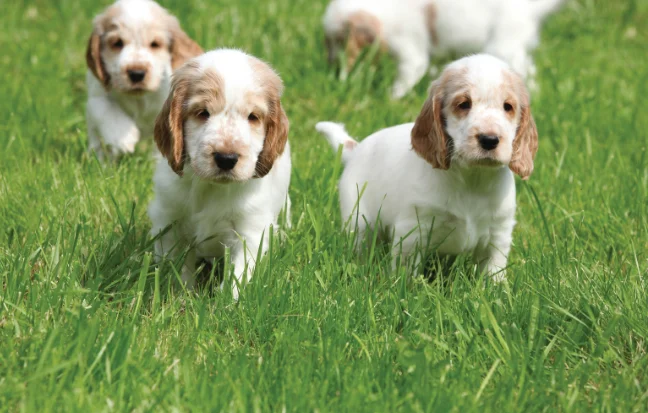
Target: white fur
(508,29)
(210,210)
(469,208)
(119,115)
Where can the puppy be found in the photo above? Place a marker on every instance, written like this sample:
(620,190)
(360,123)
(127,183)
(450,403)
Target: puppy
(134,46)
(225,178)
(445,181)
(414,30)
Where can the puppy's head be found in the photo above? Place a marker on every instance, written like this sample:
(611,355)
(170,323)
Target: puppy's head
(357,31)
(223,118)
(477,114)
(134,46)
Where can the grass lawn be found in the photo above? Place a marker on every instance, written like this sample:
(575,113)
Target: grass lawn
(89,323)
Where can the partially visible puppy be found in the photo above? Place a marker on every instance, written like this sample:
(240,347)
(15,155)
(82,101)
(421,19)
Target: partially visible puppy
(414,30)
(445,181)
(133,48)
(225,178)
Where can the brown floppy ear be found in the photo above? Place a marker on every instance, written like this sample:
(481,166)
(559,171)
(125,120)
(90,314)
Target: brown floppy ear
(94,60)
(169,134)
(275,140)
(525,144)
(182,47)
(429,138)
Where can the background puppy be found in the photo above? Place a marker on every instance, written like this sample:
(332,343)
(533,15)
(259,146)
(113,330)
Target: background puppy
(134,46)
(414,30)
(448,176)
(227,169)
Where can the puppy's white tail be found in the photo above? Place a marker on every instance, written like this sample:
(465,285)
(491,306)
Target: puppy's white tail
(543,8)
(336,135)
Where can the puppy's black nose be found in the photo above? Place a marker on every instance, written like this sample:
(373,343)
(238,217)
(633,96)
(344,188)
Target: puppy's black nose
(136,76)
(226,161)
(488,142)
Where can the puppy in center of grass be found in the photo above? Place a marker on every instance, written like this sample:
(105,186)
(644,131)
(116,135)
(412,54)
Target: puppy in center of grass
(445,181)
(224,177)
(133,49)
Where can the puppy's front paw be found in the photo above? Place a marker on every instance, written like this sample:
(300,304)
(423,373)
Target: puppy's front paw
(498,277)
(126,143)
(98,152)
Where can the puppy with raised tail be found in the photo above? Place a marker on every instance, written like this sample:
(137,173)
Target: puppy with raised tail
(445,181)
(226,168)
(133,48)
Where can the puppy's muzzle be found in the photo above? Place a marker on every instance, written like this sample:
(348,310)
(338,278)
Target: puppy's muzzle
(136,75)
(226,161)
(488,142)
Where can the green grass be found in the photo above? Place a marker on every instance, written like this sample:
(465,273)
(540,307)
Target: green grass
(89,323)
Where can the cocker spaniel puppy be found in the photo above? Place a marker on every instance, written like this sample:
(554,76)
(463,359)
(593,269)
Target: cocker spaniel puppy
(225,178)
(414,30)
(133,48)
(445,181)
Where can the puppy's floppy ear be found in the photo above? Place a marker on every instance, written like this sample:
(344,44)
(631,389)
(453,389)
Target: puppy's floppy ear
(275,139)
(169,125)
(182,47)
(429,138)
(525,144)
(93,58)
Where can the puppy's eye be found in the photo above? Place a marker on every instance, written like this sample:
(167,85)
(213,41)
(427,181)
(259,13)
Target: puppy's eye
(155,44)
(203,114)
(253,118)
(508,107)
(117,44)
(465,105)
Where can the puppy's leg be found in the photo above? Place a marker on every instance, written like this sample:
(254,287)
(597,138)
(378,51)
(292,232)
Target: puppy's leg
(355,216)
(189,270)
(413,62)
(118,130)
(168,246)
(244,254)
(492,257)
(358,226)
(407,241)
(94,140)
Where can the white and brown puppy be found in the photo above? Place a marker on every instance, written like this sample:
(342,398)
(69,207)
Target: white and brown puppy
(414,30)
(133,48)
(446,181)
(225,178)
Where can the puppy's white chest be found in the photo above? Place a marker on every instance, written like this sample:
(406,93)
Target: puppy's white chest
(459,235)
(214,227)
(457,232)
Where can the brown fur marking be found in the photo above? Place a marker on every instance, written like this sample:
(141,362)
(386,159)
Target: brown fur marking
(207,92)
(101,24)
(363,29)
(94,61)
(169,125)
(429,139)
(277,124)
(430,12)
(525,145)
(182,47)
